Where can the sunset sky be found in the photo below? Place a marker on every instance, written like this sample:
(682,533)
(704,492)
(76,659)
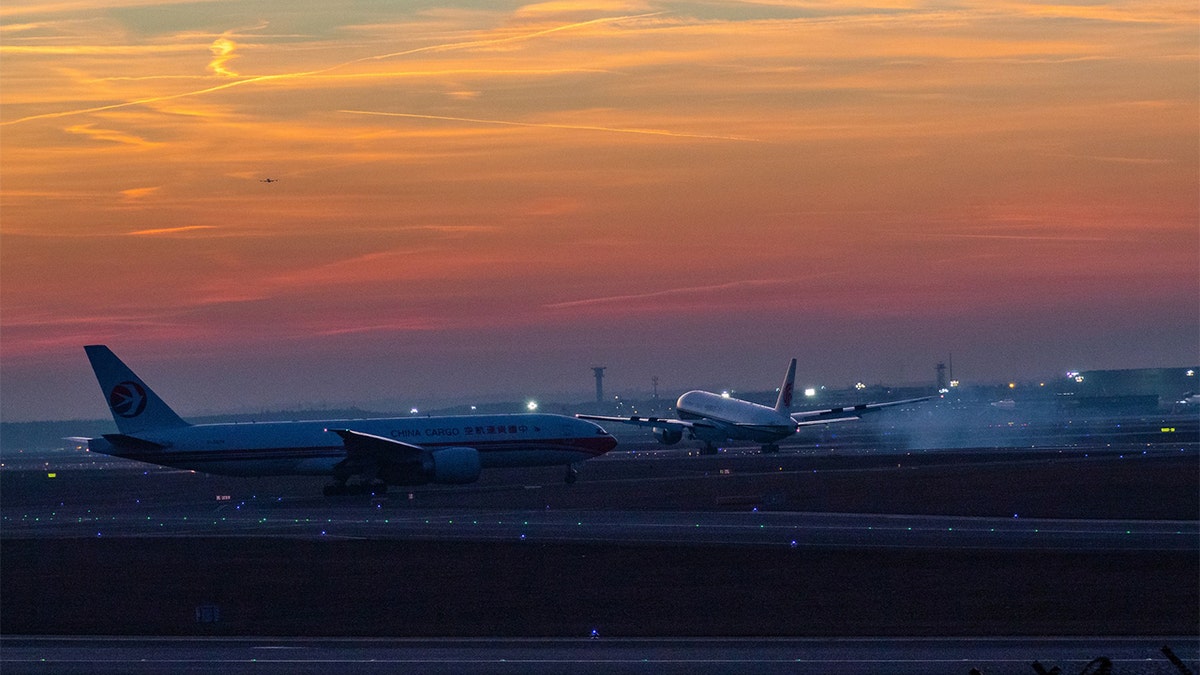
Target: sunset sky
(487,199)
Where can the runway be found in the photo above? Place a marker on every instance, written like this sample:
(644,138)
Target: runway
(949,500)
(114,656)
(790,529)
(806,561)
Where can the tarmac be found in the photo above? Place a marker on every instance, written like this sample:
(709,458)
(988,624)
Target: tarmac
(656,560)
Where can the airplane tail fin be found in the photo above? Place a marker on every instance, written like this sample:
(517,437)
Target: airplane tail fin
(135,407)
(783,405)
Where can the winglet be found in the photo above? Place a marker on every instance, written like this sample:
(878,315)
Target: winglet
(783,405)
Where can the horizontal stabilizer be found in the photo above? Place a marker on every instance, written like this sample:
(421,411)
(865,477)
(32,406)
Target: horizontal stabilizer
(127,442)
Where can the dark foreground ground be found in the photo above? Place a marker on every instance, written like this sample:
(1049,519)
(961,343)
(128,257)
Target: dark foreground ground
(223,586)
(285,586)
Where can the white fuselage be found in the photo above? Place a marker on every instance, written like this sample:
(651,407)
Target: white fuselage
(309,448)
(733,419)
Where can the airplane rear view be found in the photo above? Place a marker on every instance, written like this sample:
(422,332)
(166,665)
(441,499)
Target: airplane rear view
(714,418)
(376,452)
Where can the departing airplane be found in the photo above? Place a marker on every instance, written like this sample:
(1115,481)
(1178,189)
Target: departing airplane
(269,180)
(713,418)
(382,452)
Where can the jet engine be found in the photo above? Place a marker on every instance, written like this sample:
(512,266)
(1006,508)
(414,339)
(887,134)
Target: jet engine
(668,436)
(454,466)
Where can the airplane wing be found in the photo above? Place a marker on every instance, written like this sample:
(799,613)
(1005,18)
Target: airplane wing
(659,422)
(847,413)
(400,463)
(364,446)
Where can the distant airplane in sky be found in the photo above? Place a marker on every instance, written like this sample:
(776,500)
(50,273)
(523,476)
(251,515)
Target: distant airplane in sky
(381,452)
(713,418)
(269,180)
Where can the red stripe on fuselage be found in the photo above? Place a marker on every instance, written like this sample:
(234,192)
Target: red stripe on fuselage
(594,446)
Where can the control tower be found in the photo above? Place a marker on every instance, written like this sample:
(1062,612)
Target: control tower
(599,371)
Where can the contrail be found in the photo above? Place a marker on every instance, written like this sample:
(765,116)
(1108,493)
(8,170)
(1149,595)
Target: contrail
(1015,237)
(671,292)
(171,230)
(494,41)
(156,99)
(575,127)
(285,76)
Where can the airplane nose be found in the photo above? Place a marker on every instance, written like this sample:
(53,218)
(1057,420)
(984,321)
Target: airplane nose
(609,442)
(601,441)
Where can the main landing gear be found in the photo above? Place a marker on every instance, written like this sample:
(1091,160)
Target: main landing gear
(770,448)
(342,489)
(572,474)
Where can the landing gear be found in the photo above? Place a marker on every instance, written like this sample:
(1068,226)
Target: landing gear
(336,490)
(770,448)
(572,475)
(342,489)
(708,449)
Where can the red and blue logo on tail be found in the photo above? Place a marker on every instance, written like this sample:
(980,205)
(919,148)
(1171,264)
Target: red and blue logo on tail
(127,399)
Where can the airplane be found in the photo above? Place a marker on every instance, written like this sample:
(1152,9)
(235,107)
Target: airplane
(450,449)
(713,418)
(269,180)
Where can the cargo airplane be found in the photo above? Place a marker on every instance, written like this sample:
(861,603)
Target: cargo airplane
(713,418)
(379,452)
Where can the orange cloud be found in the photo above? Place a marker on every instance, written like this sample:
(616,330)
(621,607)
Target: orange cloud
(109,135)
(138,193)
(450,169)
(223,51)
